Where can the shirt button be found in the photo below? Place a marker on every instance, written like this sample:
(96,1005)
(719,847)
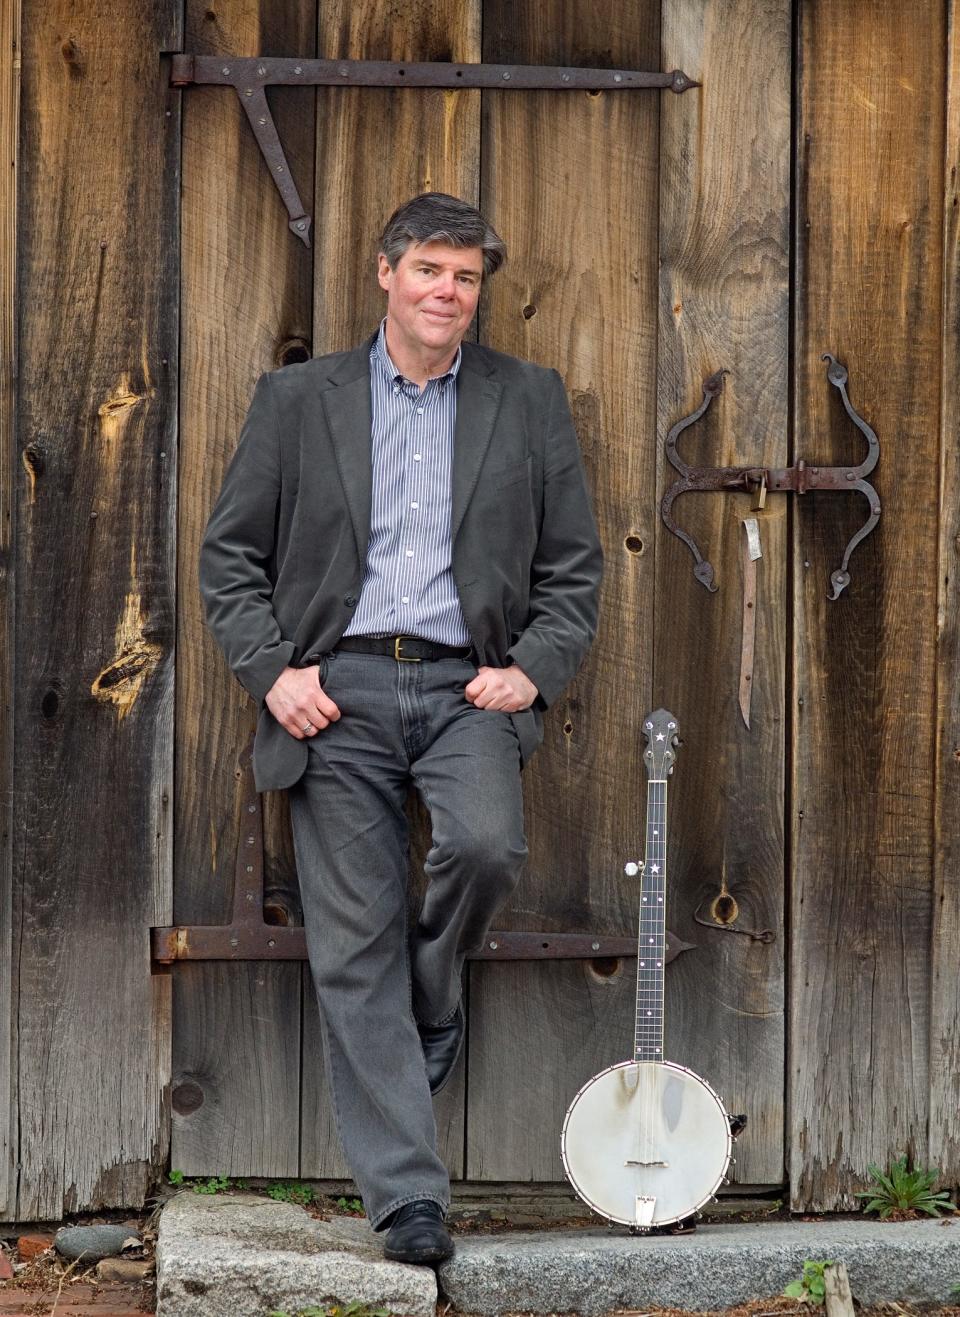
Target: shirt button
(419,411)
(409,553)
(350,600)
(417,456)
(405,599)
(415,505)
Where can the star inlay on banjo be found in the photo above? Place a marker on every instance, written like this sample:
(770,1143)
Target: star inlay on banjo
(647,1142)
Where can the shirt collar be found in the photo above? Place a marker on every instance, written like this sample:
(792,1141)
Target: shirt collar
(383,358)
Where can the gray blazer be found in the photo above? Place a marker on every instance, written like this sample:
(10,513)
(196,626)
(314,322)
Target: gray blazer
(282,558)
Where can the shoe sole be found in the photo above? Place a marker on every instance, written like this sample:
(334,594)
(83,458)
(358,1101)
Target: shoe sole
(419,1256)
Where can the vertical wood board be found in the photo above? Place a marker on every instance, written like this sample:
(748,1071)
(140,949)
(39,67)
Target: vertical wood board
(9,119)
(94,641)
(869,223)
(570,181)
(247,307)
(944,1139)
(724,304)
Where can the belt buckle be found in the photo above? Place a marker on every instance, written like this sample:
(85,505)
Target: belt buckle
(402,658)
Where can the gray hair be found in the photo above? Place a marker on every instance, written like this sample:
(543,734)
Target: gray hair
(437,217)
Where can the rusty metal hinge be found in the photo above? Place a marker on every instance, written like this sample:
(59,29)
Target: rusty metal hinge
(249,937)
(797,479)
(250,76)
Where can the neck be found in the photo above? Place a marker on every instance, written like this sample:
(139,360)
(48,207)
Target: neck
(652,935)
(415,362)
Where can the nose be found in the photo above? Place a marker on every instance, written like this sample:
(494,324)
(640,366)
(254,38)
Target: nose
(446,284)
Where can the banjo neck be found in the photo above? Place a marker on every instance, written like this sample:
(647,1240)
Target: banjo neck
(660,730)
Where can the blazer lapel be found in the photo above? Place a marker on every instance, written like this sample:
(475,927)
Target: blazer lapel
(345,399)
(478,401)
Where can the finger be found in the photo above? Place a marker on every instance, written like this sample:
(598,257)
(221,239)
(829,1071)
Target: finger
(325,708)
(474,687)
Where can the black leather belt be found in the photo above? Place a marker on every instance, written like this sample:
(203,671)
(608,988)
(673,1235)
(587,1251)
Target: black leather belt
(405,649)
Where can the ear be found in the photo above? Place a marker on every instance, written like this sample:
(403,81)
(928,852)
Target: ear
(383,272)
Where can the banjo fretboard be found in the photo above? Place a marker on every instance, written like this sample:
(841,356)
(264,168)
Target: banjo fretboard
(660,729)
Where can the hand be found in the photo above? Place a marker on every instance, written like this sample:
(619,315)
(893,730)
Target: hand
(506,689)
(296,698)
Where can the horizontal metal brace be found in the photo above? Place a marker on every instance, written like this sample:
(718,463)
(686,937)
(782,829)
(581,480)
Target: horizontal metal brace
(251,75)
(228,70)
(251,941)
(799,479)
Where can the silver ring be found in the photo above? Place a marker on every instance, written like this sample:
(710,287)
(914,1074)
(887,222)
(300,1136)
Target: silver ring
(307,728)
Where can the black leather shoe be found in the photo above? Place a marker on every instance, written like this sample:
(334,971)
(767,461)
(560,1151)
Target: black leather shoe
(441,1046)
(418,1235)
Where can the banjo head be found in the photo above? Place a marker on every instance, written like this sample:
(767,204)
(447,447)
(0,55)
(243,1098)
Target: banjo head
(644,1130)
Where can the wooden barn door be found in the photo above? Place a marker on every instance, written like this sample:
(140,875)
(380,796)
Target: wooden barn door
(641,260)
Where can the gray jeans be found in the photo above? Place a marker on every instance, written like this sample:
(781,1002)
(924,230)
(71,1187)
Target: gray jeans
(374,977)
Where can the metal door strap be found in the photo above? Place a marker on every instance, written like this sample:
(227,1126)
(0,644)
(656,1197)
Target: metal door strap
(249,77)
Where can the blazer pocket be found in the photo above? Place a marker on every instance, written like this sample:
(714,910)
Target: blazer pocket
(510,475)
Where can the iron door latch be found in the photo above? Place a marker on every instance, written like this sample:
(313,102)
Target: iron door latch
(797,479)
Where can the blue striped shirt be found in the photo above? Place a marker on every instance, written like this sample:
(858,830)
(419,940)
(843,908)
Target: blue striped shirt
(408,587)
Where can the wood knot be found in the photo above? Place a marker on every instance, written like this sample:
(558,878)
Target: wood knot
(71,57)
(293,350)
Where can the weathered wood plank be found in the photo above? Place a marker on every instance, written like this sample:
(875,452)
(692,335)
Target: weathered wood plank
(366,161)
(869,184)
(247,303)
(944,1142)
(364,169)
(9,128)
(724,303)
(570,180)
(98,303)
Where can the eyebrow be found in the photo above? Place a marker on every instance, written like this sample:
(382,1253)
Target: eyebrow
(463,269)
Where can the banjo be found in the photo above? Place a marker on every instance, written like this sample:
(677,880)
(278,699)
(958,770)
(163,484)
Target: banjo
(647,1142)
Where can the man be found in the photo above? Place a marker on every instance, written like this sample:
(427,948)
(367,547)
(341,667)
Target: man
(402,567)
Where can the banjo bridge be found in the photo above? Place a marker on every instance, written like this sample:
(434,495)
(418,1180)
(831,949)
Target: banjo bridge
(633,1163)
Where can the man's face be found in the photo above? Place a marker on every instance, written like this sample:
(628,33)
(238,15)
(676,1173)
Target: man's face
(432,294)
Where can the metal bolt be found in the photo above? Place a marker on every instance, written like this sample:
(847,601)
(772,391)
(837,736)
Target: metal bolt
(618,77)
(850,475)
(565,77)
(261,70)
(262,119)
(249,896)
(249,868)
(301,225)
(250,840)
(343,71)
(505,77)
(494,945)
(234,942)
(251,809)
(271,941)
(248,91)
(225,71)
(595,946)
(298,69)
(279,169)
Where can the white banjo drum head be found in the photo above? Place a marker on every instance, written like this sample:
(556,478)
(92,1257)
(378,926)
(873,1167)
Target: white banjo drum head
(646,1130)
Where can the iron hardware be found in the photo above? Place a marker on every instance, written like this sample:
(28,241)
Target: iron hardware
(797,479)
(248,937)
(250,77)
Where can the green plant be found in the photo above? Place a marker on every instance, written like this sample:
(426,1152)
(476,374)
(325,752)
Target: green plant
(812,1286)
(291,1191)
(216,1184)
(354,1206)
(175,1177)
(903,1190)
(955,1292)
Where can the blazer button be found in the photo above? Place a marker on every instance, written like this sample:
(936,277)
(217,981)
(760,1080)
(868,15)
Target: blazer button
(350,600)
